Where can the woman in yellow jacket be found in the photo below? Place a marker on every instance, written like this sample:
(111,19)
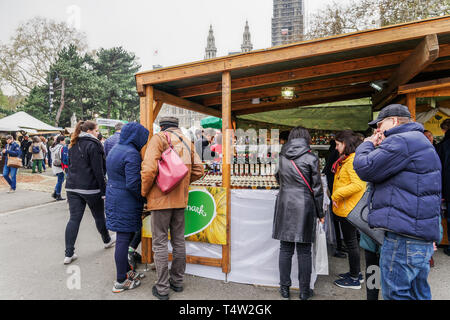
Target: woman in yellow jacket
(348,189)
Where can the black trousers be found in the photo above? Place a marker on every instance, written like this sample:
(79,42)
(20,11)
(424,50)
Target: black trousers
(136,240)
(337,229)
(350,234)
(372,259)
(77,205)
(304,264)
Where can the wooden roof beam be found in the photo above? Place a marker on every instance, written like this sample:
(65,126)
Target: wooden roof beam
(422,56)
(168,98)
(303,103)
(379,61)
(354,79)
(424,86)
(335,92)
(340,43)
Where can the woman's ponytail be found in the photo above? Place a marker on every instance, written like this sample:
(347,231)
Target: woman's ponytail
(82,126)
(76,133)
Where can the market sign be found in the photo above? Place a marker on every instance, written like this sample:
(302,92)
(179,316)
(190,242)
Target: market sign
(107,122)
(205,216)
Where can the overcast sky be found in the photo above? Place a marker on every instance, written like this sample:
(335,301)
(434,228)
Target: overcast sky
(176,29)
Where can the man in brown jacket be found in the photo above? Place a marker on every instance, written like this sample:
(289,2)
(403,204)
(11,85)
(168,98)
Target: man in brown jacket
(167,210)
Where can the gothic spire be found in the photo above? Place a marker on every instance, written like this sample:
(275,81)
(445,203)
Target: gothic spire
(211,50)
(246,44)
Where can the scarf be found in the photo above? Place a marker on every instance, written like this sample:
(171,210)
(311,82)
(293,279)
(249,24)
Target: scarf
(338,163)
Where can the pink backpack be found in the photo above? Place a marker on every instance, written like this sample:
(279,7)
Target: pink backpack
(171,169)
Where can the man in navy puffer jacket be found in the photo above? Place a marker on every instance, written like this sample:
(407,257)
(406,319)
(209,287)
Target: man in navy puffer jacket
(406,172)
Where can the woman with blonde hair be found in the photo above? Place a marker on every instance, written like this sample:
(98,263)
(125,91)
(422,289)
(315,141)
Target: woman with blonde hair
(86,184)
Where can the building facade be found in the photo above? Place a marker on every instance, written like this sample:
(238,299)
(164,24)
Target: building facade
(187,118)
(288,21)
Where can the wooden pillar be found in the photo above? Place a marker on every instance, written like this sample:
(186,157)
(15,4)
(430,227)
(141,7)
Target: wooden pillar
(226,172)
(143,110)
(149,104)
(146,113)
(411,102)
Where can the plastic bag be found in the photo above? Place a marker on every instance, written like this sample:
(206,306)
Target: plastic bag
(320,253)
(329,227)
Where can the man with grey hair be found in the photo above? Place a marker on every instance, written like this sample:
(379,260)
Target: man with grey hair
(114,139)
(405,202)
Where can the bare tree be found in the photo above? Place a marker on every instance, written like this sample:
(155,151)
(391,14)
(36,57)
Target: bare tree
(25,61)
(338,18)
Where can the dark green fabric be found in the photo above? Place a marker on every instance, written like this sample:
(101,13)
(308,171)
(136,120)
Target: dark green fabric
(324,117)
(211,122)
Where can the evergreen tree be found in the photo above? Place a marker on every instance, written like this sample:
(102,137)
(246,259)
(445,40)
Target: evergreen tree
(118,98)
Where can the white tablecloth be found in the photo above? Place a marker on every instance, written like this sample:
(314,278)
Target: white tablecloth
(254,254)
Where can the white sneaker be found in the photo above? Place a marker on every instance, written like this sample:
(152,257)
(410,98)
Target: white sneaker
(111,242)
(68,260)
(11,190)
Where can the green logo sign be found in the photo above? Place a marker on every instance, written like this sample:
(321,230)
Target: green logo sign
(200,212)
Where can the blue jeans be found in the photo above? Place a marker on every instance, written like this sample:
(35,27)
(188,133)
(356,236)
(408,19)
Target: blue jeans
(59,183)
(405,264)
(7,171)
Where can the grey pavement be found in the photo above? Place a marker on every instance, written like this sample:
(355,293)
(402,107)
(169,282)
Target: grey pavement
(32,253)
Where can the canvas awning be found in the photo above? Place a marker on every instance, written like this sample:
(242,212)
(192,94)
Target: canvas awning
(351,115)
(23,121)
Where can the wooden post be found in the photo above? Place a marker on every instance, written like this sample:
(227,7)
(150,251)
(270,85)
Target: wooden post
(226,178)
(149,104)
(146,114)
(411,102)
(142,110)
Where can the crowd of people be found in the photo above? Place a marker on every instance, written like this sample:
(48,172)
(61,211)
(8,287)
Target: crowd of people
(409,179)
(407,173)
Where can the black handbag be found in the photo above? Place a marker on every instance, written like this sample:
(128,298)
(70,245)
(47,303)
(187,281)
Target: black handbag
(358,217)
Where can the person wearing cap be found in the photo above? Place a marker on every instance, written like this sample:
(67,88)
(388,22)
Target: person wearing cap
(167,209)
(406,175)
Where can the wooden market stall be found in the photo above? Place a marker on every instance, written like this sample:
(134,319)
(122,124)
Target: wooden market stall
(391,64)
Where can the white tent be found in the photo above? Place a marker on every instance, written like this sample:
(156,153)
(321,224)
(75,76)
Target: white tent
(23,121)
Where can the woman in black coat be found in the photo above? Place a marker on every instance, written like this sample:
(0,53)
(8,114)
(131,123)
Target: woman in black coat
(297,208)
(86,185)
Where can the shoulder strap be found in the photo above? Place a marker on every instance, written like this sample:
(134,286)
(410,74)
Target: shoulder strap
(301,175)
(189,149)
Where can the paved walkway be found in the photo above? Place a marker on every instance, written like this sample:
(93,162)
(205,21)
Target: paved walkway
(32,246)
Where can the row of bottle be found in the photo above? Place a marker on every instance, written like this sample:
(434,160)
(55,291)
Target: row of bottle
(321,139)
(256,169)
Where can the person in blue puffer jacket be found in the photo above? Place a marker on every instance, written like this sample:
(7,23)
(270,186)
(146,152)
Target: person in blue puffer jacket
(406,173)
(9,173)
(124,203)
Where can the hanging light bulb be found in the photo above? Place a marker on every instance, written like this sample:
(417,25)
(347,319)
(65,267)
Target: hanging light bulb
(287,92)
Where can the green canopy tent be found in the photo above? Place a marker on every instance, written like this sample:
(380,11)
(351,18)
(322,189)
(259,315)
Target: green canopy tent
(211,122)
(349,115)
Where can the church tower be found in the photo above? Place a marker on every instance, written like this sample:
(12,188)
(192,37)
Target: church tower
(247,44)
(211,50)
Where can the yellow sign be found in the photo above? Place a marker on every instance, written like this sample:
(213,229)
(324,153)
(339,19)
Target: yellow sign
(434,124)
(205,216)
